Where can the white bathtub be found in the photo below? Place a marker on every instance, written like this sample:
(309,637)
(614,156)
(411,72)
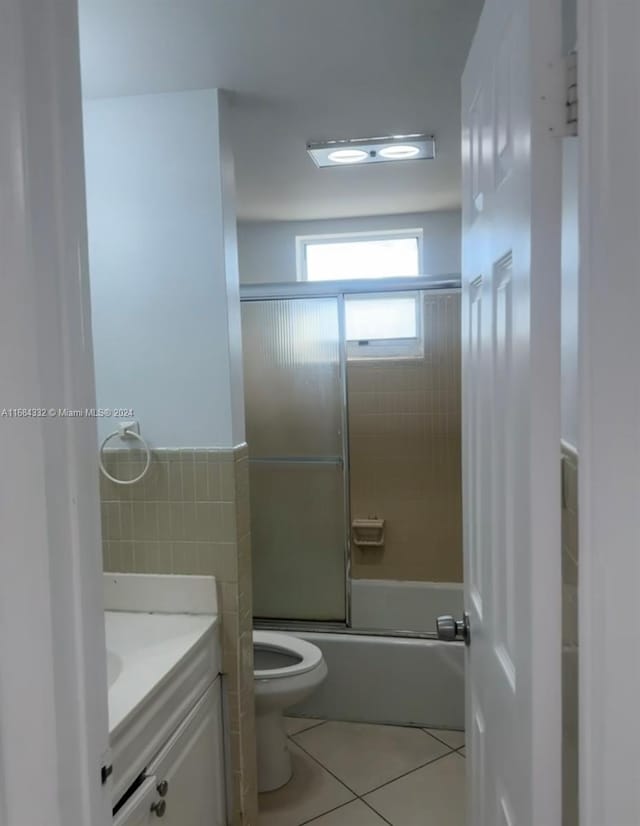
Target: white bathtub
(403,606)
(389,680)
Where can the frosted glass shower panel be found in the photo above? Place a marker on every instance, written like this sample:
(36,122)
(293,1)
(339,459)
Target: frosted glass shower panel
(297,536)
(294,410)
(292,378)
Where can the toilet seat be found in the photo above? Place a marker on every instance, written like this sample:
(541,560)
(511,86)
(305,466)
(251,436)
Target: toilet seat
(309,655)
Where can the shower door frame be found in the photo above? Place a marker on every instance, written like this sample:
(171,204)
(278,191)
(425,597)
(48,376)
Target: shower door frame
(450,282)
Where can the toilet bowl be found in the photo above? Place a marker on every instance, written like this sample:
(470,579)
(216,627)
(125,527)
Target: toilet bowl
(286,670)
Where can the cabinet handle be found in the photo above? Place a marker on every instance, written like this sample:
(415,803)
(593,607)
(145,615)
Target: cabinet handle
(163,788)
(159,808)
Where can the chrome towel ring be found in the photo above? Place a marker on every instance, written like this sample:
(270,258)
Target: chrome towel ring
(125,431)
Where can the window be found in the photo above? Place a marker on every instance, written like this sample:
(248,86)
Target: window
(381,325)
(393,254)
(380,317)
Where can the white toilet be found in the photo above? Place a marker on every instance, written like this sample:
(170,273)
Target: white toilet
(286,670)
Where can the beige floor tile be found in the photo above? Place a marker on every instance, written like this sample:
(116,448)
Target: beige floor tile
(356,813)
(455,739)
(431,796)
(294,725)
(312,791)
(365,756)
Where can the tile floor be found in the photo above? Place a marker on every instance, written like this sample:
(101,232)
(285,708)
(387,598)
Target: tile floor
(356,774)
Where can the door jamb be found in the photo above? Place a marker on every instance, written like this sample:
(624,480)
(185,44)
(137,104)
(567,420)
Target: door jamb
(609,409)
(54,736)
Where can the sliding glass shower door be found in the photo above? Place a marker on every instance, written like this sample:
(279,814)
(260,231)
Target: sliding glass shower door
(294,408)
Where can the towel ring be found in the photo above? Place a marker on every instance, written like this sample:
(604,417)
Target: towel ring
(129,432)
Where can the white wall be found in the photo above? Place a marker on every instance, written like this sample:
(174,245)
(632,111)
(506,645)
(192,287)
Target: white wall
(267,249)
(570,261)
(163,260)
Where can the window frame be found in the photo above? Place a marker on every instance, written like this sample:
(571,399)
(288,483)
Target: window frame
(303,241)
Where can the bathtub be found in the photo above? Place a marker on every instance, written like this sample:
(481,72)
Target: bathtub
(403,606)
(396,680)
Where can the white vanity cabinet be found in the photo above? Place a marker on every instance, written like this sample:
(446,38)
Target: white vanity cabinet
(185,784)
(138,811)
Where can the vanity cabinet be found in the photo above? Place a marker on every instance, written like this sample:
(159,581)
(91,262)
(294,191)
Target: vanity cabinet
(184,784)
(137,811)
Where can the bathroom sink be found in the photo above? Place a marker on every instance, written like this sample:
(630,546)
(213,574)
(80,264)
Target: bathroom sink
(158,665)
(114,667)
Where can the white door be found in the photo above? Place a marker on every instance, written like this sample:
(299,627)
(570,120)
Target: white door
(512,114)
(54,740)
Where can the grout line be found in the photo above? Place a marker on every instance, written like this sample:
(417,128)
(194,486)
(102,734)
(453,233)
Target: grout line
(328,812)
(382,817)
(342,806)
(411,771)
(335,776)
(444,743)
(362,797)
(387,782)
(314,724)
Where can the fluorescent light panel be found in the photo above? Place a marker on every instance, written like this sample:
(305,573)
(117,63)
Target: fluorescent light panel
(359,151)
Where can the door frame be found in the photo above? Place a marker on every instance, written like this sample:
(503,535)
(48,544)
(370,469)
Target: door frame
(54,737)
(47,588)
(304,289)
(609,405)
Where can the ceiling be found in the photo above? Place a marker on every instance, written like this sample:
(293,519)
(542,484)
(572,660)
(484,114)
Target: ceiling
(301,70)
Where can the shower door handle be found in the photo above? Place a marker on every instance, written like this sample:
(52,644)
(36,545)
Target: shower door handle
(452,630)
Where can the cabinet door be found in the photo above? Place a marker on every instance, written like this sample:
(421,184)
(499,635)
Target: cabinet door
(189,771)
(137,811)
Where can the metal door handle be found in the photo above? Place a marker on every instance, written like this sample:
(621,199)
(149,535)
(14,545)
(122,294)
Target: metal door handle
(452,630)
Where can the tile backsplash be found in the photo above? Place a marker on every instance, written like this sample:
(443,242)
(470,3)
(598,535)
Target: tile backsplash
(190,515)
(405,453)
(179,519)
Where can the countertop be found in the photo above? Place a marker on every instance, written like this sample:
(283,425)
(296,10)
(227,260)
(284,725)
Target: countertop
(144,651)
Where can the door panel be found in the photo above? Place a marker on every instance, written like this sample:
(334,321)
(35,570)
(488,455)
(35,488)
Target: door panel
(511,411)
(298,536)
(293,378)
(137,811)
(477,749)
(192,767)
(476,449)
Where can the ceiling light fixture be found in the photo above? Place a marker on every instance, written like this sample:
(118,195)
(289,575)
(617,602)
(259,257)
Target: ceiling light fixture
(400,153)
(347,156)
(421,147)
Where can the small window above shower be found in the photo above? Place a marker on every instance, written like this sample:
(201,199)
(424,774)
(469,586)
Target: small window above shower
(383,325)
(377,325)
(359,255)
